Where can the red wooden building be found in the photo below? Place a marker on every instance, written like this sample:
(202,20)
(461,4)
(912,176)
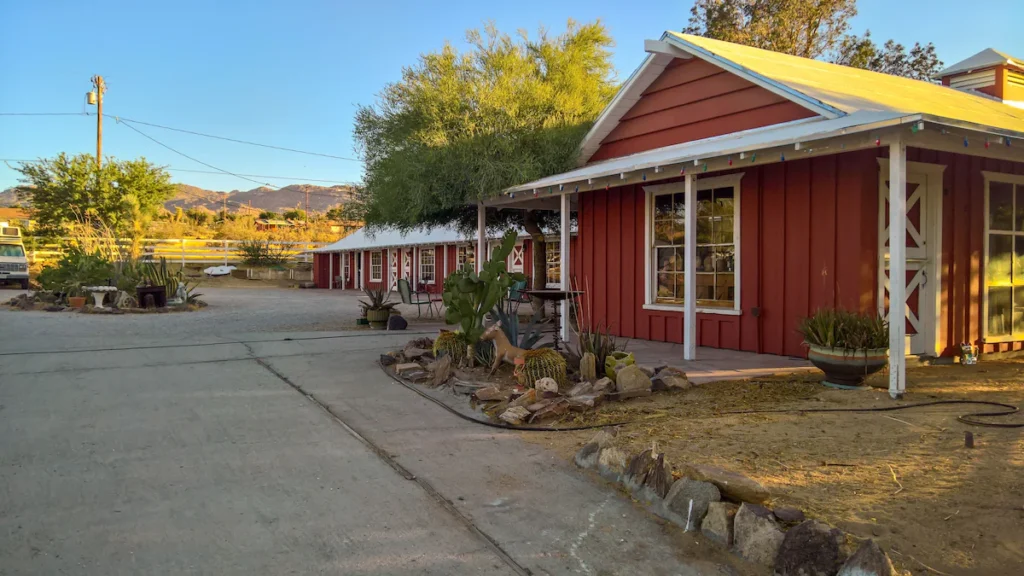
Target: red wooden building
(788,163)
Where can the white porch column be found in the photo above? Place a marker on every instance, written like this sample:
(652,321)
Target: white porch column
(330,271)
(690,271)
(444,248)
(564,264)
(897,268)
(481,236)
(359,272)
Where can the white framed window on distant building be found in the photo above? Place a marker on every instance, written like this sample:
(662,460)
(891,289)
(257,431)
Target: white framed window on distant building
(376,266)
(552,264)
(465,259)
(1003,297)
(427,265)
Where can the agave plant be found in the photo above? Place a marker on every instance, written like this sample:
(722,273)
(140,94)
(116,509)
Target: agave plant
(377,299)
(831,328)
(520,336)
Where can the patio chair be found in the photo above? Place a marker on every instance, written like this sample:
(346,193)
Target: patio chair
(417,298)
(516,296)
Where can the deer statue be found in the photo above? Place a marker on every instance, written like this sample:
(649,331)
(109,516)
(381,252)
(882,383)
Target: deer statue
(503,349)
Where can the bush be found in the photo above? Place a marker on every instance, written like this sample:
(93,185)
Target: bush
(77,268)
(261,253)
(830,328)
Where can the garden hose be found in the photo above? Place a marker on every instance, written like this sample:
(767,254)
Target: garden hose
(966,418)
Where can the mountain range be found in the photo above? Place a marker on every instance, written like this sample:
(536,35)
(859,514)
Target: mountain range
(321,198)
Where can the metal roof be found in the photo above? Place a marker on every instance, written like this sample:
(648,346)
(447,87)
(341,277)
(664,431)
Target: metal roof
(984,59)
(363,240)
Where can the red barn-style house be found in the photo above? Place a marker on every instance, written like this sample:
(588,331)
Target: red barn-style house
(788,164)
(425,258)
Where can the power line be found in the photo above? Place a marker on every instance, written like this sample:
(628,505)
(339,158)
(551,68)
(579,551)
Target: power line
(43,114)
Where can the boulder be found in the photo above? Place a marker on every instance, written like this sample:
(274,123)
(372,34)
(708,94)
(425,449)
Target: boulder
(396,322)
(670,378)
(588,454)
(440,370)
(514,415)
(585,402)
(734,486)
(811,549)
(717,525)
(631,382)
(756,536)
(688,500)
(527,398)
(557,407)
(491,394)
(546,385)
(602,386)
(868,560)
(407,367)
(588,367)
(581,389)
(611,463)
(788,515)
(647,476)
(413,353)
(388,360)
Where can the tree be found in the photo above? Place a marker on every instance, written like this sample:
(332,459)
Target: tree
(811,29)
(463,127)
(295,214)
(268,215)
(197,215)
(122,195)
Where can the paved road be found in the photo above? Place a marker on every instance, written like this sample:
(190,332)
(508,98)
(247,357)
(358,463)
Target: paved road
(196,444)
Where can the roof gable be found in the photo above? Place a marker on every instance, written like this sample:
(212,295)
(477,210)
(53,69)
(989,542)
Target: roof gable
(984,59)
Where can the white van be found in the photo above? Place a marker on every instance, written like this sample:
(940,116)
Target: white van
(13,263)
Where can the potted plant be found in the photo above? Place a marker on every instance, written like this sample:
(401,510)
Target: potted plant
(847,346)
(376,307)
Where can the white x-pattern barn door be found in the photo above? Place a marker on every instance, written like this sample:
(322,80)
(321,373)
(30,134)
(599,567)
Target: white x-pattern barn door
(393,255)
(923,253)
(517,258)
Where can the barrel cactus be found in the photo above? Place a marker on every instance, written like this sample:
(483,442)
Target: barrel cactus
(450,343)
(543,363)
(588,367)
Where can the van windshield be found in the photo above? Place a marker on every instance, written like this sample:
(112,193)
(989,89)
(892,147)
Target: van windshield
(12,250)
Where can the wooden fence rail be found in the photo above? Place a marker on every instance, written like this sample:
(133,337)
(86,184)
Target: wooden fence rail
(179,250)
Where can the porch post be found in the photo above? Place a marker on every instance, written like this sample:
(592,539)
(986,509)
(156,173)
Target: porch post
(564,264)
(690,271)
(897,267)
(359,275)
(444,247)
(481,236)
(330,271)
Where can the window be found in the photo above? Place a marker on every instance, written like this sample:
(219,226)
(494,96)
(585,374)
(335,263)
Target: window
(717,234)
(466,259)
(376,266)
(427,265)
(12,251)
(553,266)
(1004,258)
(344,266)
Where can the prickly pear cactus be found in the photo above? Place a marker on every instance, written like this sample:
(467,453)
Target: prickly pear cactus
(616,361)
(449,343)
(588,367)
(543,363)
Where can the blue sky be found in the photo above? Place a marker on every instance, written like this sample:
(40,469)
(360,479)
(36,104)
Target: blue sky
(292,73)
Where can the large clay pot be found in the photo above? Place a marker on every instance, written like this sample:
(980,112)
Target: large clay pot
(616,361)
(76,301)
(378,318)
(847,369)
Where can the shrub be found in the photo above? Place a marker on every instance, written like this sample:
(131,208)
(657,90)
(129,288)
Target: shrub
(469,296)
(830,328)
(77,268)
(158,274)
(450,343)
(261,253)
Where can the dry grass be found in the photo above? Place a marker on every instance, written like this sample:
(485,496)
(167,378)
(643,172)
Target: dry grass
(903,478)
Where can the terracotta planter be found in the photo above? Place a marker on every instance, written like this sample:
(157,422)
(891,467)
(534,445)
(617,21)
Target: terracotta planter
(847,369)
(378,318)
(76,301)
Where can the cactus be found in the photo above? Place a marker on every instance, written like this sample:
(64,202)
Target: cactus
(450,343)
(588,367)
(541,363)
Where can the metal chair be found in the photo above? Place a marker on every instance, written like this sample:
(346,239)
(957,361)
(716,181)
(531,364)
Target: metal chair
(415,298)
(516,295)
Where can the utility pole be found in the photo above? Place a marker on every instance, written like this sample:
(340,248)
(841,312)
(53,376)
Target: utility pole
(96,97)
(307,205)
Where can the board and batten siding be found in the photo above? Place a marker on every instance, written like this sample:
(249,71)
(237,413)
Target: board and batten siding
(692,100)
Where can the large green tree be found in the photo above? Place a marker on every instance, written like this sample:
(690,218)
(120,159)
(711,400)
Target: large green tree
(460,127)
(121,195)
(811,29)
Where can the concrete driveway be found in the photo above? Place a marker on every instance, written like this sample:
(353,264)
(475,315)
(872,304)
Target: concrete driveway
(201,444)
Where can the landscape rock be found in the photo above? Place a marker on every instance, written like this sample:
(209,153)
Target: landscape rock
(388,360)
(54,308)
(491,393)
(514,415)
(611,463)
(396,322)
(616,361)
(646,370)
(541,404)
(631,382)
(588,367)
(689,500)
(647,476)
(669,378)
(407,367)
(718,524)
(733,485)
(412,353)
(586,402)
(546,385)
(557,407)
(441,370)
(527,398)
(868,560)
(603,386)
(588,454)
(581,389)
(811,549)
(788,515)
(756,536)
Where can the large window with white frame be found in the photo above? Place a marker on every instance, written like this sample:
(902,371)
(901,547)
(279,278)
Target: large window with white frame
(553,264)
(427,265)
(717,241)
(1004,257)
(345,257)
(376,266)
(465,257)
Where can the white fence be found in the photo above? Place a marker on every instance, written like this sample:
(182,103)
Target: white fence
(180,250)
